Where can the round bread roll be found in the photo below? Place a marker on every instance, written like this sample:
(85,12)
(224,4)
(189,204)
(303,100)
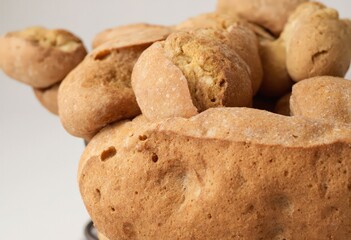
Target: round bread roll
(323,98)
(98,92)
(133,33)
(190,72)
(283,105)
(315,42)
(40,57)
(228,173)
(318,43)
(48,97)
(242,39)
(270,14)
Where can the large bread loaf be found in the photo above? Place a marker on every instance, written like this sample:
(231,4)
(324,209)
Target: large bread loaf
(228,173)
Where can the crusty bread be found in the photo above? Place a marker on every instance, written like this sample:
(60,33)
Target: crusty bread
(48,97)
(190,72)
(242,39)
(40,57)
(98,91)
(318,43)
(134,34)
(315,42)
(270,14)
(283,105)
(224,174)
(323,98)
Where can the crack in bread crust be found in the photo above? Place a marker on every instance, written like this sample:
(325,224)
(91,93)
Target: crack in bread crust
(206,61)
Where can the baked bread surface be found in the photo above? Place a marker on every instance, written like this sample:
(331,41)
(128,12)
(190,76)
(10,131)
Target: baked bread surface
(40,57)
(227,173)
(198,63)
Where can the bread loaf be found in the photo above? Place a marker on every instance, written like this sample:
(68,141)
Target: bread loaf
(241,39)
(40,57)
(323,98)
(98,91)
(228,173)
(315,42)
(190,72)
(270,14)
(318,42)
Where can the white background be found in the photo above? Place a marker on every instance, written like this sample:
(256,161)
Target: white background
(39,197)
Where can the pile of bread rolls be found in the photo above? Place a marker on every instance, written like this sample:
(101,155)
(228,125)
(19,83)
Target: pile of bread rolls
(234,124)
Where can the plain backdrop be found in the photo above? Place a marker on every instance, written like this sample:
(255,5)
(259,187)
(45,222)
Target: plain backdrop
(39,196)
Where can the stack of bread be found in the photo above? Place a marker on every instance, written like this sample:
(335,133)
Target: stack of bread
(231,125)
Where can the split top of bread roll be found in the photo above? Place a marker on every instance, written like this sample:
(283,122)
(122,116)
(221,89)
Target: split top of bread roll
(190,72)
(40,57)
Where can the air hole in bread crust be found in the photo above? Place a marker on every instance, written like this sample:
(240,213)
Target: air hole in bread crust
(154,157)
(108,153)
(97,195)
(142,138)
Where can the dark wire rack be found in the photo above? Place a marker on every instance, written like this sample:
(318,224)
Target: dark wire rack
(90,232)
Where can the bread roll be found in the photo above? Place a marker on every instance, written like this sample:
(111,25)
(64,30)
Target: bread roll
(318,43)
(242,39)
(48,97)
(227,173)
(217,20)
(270,14)
(98,91)
(323,98)
(133,34)
(190,72)
(315,42)
(40,57)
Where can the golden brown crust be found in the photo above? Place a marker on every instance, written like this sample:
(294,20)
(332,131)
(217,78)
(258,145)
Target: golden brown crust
(241,38)
(40,57)
(270,14)
(318,43)
(209,20)
(323,98)
(215,75)
(160,87)
(315,42)
(98,91)
(48,97)
(241,174)
(133,33)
